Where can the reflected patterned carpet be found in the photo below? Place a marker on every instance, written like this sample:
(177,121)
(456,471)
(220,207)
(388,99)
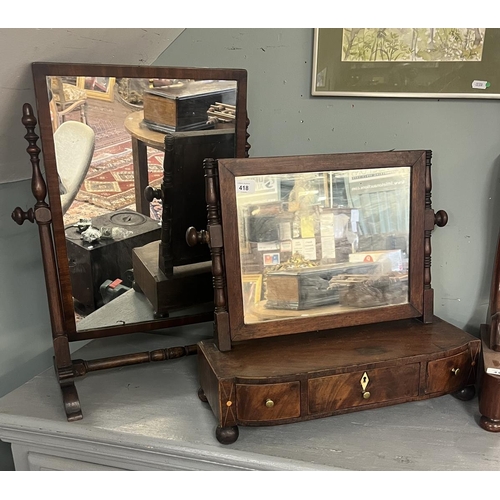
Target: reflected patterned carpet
(109,184)
(110,181)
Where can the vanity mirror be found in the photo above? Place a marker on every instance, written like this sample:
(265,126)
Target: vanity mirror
(123,150)
(322,289)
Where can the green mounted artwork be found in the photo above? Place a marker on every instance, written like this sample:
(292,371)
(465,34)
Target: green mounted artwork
(407,62)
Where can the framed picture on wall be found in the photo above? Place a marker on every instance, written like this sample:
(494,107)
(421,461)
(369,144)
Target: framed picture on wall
(407,62)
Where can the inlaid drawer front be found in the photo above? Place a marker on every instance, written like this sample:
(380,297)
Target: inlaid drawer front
(448,374)
(264,402)
(347,390)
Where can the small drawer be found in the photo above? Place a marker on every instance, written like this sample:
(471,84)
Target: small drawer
(448,374)
(267,402)
(329,394)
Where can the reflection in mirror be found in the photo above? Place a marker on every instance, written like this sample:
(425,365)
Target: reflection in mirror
(324,242)
(109,137)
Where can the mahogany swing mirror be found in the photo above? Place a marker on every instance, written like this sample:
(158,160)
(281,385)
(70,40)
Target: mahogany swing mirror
(322,289)
(123,150)
(320,242)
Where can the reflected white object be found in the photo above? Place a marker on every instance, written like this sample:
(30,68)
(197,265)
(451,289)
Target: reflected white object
(91,234)
(74,146)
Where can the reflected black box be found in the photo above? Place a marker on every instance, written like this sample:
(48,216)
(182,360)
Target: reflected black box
(91,264)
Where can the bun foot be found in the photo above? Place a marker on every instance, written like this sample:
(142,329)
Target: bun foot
(201,395)
(488,424)
(465,394)
(227,435)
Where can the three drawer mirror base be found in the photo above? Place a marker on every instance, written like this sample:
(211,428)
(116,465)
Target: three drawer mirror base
(302,377)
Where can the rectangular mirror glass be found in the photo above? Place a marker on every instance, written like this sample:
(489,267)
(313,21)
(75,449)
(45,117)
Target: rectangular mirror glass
(320,243)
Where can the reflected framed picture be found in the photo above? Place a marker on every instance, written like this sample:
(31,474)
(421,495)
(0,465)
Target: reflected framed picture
(252,289)
(97,87)
(407,62)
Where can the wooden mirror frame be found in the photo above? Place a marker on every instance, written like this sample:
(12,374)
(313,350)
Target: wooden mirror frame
(49,218)
(222,236)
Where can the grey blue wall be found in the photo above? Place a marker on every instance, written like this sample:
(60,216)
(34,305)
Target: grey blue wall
(285,120)
(464,136)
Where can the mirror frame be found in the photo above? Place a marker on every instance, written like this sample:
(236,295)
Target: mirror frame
(421,224)
(41,70)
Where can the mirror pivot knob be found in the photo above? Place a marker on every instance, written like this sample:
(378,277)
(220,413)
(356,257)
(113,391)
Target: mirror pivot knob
(151,194)
(441,218)
(19,215)
(194,237)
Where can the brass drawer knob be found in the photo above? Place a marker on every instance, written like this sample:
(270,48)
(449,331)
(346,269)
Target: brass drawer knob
(455,371)
(366,395)
(269,403)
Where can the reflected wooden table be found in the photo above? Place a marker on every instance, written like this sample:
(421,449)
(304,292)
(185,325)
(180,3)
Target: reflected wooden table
(142,138)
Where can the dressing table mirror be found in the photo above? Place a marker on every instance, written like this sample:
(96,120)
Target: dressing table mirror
(123,150)
(322,289)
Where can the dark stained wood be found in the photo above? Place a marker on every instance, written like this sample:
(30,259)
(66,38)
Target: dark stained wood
(214,230)
(140,158)
(227,435)
(318,374)
(111,331)
(43,216)
(420,304)
(187,285)
(183,192)
(82,367)
(261,403)
(489,372)
(327,394)
(454,371)
(489,383)
(50,218)
(494,311)
(43,69)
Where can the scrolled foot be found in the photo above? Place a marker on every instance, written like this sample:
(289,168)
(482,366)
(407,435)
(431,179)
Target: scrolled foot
(227,435)
(71,402)
(488,424)
(201,395)
(465,394)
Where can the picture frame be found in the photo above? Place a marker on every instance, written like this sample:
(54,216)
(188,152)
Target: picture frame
(407,62)
(252,288)
(101,87)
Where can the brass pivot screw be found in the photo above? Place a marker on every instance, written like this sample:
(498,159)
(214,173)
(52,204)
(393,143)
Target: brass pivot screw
(455,371)
(269,403)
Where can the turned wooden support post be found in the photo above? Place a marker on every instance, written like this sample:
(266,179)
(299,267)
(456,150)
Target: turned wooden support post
(214,228)
(213,237)
(432,219)
(43,217)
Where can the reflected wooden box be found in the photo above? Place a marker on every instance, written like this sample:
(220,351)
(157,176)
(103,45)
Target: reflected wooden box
(309,287)
(183,108)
